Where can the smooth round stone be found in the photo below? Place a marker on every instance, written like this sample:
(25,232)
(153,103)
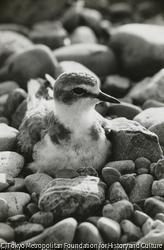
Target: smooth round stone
(142,188)
(142,162)
(11,163)
(139,218)
(159,169)
(116,193)
(142,171)
(31,209)
(16,202)
(16,219)
(60,233)
(110,175)
(153,206)
(124,167)
(124,109)
(93,220)
(128,182)
(18,185)
(6,232)
(151,103)
(4,207)
(87,232)
(158,129)
(7,137)
(158,224)
(43,218)
(109,229)
(83,34)
(26,231)
(4,120)
(36,182)
(158,188)
(118,211)
(132,231)
(155,236)
(159,216)
(147,226)
(149,117)
(7,87)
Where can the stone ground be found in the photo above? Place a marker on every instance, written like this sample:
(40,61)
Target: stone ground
(122,44)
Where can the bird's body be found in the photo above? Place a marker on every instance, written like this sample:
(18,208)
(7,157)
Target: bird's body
(67,132)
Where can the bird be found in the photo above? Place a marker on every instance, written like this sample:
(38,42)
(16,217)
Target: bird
(66,132)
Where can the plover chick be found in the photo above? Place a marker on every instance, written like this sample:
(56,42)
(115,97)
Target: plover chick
(67,132)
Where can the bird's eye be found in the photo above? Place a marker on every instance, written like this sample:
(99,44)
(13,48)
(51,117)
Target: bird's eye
(78,91)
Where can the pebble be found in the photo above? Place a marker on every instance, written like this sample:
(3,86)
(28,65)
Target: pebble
(109,229)
(88,233)
(7,137)
(3,181)
(139,218)
(159,216)
(110,175)
(147,226)
(11,163)
(137,141)
(4,207)
(142,188)
(142,162)
(151,103)
(4,120)
(158,129)
(27,230)
(128,182)
(116,193)
(43,218)
(16,202)
(18,185)
(36,182)
(93,220)
(60,233)
(83,34)
(16,219)
(124,167)
(158,188)
(159,169)
(141,171)
(7,87)
(31,209)
(118,211)
(155,236)
(124,109)
(98,58)
(149,117)
(6,232)
(132,231)
(153,206)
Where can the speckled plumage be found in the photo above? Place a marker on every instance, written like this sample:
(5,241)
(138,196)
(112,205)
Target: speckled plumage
(67,135)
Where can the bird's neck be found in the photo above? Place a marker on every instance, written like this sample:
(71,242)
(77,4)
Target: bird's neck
(74,117)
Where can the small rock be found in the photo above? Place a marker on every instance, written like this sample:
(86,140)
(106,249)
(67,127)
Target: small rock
(25,231)
(151,103)
(158,129)
(151,116)
(158,224)
(139,218)
(4,207)
(128,182)
(11,163)
(158,188)
(142,162)
(60,233)
(116,85)
(159,169)
(66,173)
(124,167)
(18,185)
(88,233)
(118,211)
(83,34)
(141,171)
(147,226)
(142,188)
(6,232)
(155,236)
(159,216)
(153,206)
(96,57)
(16,219)
(36,182)
(110,175)
(93,220)
(8,87)
(31,209)
(109,229)
(137,141)
(43,218)
(133,232)
(7,137)
(3,181)
(116,193)
(16,202)
(4,120)
(81,195)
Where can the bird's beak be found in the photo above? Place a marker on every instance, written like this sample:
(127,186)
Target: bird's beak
(107,98)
